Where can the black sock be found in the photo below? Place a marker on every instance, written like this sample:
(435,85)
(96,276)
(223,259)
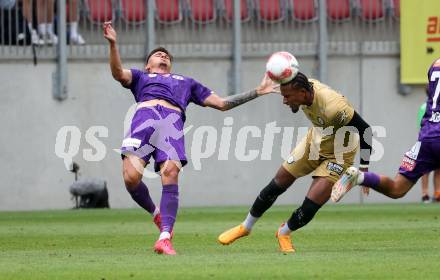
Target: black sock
(304,214)
(266,198)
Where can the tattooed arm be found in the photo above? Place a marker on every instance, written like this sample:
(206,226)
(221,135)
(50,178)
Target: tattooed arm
(229,102)
(232,101)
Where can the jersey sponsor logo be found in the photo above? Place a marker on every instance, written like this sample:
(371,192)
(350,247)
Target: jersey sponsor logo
(433,29)
(334,167)
(408,164)
(435,118)
(177,77)
(131,142)
(414,152)
(290,160)
(152,75)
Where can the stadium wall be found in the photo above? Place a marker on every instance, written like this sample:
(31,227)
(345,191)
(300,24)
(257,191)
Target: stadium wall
(34,177)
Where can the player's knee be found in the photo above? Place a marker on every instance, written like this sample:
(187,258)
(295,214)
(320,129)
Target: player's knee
(272,191)
(170,171)
(266,198)
(132,170)
(283,178)
(398,193)
(131,179)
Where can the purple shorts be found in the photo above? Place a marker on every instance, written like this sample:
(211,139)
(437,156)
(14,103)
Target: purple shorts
(156,131)
(422,158)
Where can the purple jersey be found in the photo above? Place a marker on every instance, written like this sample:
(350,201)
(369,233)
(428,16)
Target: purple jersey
(176,89)
(430,130)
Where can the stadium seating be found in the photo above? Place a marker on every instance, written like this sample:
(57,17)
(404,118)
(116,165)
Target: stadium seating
(228,6)
(372,10)
(205,11)
(133,11)
(68,10)
(304,10)
(270,10)
(202,11)
(168,11)
(99,11)
(396,8)
(338,10)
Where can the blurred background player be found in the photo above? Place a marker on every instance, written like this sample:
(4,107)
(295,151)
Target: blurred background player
(45,15)
(422,158)
(72,17)
(425,178)
(157,128)
(321,152)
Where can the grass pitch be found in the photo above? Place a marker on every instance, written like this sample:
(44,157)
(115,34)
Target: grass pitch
(398,241)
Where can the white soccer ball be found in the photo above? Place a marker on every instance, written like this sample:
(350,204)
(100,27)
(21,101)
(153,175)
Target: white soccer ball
(282,67)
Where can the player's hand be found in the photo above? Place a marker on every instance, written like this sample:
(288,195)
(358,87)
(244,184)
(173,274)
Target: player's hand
(365,189)
(267,86)
(109,32)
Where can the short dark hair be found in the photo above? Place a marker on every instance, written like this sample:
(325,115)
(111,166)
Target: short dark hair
(301,82)
(159,49)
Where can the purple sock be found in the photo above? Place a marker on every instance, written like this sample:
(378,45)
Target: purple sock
(168,207)
(142,197)
(371,180)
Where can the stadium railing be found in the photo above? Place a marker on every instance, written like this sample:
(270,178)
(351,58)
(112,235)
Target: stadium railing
(198,28)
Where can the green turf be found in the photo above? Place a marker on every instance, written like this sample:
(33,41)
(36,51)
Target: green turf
(342,242)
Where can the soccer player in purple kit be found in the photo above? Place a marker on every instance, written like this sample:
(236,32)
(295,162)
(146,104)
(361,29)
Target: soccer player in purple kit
(422,158)
(157,128)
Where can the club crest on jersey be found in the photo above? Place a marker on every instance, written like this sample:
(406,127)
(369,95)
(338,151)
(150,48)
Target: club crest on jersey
(290,160)
(408,164)
(331,166)
(177,77)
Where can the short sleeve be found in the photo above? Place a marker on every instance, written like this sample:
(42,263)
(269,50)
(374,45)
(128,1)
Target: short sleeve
(199,93)
(135,76)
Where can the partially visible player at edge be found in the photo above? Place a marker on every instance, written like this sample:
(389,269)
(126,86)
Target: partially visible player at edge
(159,95)
(425,177)
(422,158)
(327,155)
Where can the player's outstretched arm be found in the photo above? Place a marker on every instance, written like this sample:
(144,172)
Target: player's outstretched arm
(226,103)
(119,74)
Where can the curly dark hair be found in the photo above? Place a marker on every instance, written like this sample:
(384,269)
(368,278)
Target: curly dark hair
(301,82)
